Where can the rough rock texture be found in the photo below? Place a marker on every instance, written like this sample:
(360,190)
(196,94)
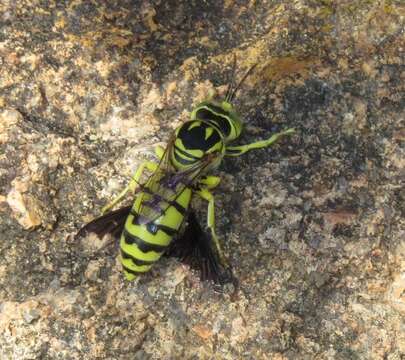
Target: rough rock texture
(314,227)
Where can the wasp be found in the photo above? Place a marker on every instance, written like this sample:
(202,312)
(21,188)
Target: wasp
(161,204)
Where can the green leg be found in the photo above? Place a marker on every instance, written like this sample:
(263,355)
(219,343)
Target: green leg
(159,151)
(151,166)
(207,195)
(239,150)
(211,94)
(209,182)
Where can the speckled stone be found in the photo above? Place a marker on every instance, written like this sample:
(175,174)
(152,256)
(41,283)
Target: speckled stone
(314,227)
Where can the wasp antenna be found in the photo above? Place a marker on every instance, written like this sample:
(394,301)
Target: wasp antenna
(232,96)
(230,85)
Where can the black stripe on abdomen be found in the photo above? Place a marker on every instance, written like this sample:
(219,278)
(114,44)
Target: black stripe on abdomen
(130,271)
(167,230)
(136,261)
(154,228)
(180,208)
(144,246)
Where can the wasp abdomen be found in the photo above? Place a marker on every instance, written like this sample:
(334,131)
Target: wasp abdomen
(143,243)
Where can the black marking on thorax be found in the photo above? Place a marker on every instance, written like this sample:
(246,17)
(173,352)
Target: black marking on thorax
(185,153)
(182,160)
(218,117)
(194,138)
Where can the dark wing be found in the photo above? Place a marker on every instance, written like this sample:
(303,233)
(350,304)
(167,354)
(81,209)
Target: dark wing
(195,248)
(111,223)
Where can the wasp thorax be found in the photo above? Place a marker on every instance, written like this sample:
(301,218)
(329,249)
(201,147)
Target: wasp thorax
(194,140)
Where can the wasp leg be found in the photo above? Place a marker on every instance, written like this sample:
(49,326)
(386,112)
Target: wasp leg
(206,195)
(209,182)
(151,166)
(241,149)
(159,151)
(211,94)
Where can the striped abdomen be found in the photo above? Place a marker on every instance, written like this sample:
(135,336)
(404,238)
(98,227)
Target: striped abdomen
(142,243)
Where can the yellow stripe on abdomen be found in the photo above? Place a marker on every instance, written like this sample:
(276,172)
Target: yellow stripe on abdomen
(143,244)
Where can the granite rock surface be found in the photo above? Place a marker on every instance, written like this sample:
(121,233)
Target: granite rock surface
(314,227)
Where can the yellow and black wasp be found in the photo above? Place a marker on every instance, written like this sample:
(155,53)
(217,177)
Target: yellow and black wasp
(150,227)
